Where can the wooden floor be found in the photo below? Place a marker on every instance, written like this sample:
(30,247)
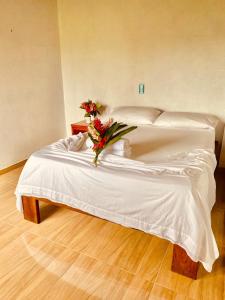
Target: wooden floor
(75,256)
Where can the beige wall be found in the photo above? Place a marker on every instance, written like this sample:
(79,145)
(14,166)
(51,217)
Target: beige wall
(31,96)
(176,48)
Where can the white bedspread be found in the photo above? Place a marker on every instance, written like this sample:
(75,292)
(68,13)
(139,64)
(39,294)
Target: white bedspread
(170,195)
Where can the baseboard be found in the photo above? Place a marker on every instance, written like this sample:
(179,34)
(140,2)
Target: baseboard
(10,168)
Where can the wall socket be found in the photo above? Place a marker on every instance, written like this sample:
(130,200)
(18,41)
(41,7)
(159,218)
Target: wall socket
(141,88)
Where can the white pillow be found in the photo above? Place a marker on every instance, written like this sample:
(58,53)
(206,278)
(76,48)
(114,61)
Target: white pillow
(137,115)
(186,120)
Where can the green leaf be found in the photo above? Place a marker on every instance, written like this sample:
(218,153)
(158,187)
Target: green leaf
(109,132)
(120,134)
(93,140)
(98,105)
(121,126)
(112,141)
(87,114)
(114,128)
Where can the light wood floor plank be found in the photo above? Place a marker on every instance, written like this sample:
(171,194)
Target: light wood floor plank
(50,273)
(75,256)
(38,254)
(207,286)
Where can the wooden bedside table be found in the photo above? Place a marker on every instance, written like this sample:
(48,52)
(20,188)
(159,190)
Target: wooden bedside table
(81,126)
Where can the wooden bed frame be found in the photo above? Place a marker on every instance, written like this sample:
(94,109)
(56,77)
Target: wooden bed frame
(181,262)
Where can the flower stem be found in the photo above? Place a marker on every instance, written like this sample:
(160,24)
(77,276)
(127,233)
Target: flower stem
(95,160)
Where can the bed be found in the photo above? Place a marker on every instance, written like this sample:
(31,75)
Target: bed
(166,188)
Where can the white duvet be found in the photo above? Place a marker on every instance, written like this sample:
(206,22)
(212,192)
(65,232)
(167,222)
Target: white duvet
(169,194)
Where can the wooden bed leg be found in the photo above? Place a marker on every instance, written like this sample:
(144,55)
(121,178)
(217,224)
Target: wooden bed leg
(183,264)
(31,210)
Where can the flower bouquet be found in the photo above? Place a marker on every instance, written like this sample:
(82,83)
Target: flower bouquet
(91,108)
(104,135)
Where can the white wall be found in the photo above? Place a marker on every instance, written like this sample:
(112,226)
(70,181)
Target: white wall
(31,95)
(177,48)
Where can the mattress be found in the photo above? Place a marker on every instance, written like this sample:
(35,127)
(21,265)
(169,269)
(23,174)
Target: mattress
(166,188)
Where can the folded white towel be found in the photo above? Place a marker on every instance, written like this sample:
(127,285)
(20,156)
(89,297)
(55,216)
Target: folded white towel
(121,145)
(125,153)
(75,142)
(89,143)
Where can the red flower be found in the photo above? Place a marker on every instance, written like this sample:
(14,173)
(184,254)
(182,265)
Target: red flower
(90,107)
(83,105)
(93,107)
(95,147)
(100,145)
(87,108)
(99,126)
